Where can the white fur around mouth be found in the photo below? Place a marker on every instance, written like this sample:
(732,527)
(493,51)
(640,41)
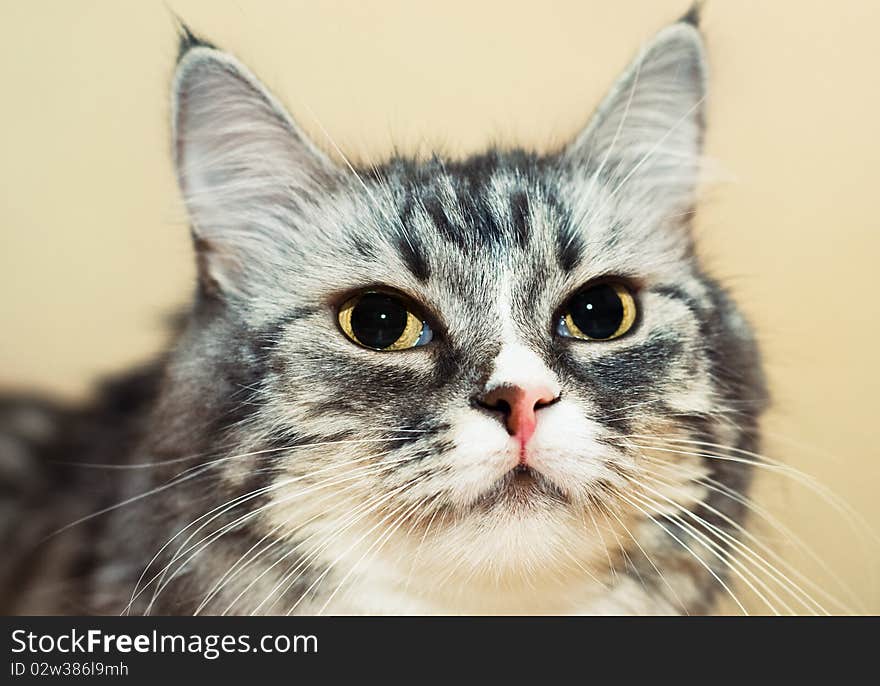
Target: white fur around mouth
(521,487)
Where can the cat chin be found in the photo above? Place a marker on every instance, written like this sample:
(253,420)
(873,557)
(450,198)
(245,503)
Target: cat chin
(519,492)
(503,546)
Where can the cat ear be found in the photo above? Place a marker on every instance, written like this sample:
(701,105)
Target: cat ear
(242,165)
(646,137)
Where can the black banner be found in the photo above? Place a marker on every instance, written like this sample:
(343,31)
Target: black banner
(143,649)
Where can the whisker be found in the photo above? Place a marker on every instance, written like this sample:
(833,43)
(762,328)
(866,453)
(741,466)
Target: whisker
(754,557)
(224,581)
(241,563)
(651,562)
(767,464)
(288,581)
(415,559)
(235,502)
(800,545)
(722,555)
(185,476)
(688,549)
(353,475)
(379,543)
(611,566)
(722,489)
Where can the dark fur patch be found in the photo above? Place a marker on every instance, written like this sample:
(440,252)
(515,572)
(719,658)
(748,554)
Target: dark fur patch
(569,247)
(520,215)
(693,15)
(414,258)
(187,40)
(626,377)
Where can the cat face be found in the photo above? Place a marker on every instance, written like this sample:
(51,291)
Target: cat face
(473,359)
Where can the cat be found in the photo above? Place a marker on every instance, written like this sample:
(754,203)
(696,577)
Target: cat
(494,385)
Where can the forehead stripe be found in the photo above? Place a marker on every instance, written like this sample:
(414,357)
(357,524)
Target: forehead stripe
(412,255)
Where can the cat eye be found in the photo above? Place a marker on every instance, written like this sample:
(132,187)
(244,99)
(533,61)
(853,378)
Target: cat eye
(383,321)
(598,312)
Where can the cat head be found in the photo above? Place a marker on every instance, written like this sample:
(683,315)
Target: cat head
(486,359)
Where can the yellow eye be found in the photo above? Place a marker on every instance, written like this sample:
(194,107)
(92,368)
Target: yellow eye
(599,313)
(382,321)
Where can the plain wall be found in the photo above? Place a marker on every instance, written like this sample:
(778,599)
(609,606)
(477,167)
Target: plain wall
(95,249)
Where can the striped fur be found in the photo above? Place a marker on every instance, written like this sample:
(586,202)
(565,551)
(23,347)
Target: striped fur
(293,471)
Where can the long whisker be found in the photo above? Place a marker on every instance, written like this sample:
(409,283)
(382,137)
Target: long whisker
(744,549)
(334,480)
(651,562)
(792,587)
(721,554)
(611,566)
(622,548)
(189,474)
(188,458)
(720,488)
(378,544)
(291,577)
(415,560)
(798,542)
(809,482)
(688,549)
(774,467)
(240,565)
(234,502)
(232,573)
(198,547)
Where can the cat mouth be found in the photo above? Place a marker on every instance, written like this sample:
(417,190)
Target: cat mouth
(520,488)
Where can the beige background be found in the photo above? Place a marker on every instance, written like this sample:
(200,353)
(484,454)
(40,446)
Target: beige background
(94,243)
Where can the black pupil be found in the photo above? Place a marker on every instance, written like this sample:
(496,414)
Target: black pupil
(378,320)
(597,311)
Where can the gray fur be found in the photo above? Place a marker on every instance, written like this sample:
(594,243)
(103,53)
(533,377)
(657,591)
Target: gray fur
(263,395)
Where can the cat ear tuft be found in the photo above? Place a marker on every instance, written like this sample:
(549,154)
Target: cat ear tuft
(694,14)
(646,136)
(187,39)
(242,164)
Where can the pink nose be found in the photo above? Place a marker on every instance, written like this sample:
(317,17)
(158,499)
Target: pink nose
(518,407)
